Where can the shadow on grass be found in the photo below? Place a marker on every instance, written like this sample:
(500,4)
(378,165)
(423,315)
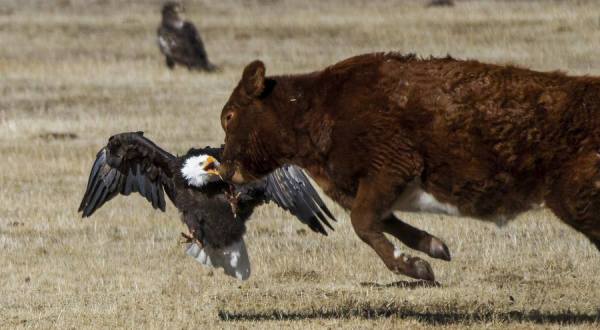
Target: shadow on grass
(419,313)
(403,284)
(433,318)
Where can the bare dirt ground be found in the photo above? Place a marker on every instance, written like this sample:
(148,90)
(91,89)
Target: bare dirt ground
(72,73)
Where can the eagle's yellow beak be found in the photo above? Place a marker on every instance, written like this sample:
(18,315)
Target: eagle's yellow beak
(210,166)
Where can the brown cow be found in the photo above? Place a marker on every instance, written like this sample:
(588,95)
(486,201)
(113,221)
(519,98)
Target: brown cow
(383,132)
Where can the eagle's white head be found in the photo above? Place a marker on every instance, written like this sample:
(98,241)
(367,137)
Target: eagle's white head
(200,170)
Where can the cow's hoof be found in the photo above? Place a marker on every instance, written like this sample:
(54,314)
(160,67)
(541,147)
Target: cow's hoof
(421,269)
(415,267)
(438,250)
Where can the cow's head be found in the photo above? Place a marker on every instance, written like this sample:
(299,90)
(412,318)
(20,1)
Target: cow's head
(258,131)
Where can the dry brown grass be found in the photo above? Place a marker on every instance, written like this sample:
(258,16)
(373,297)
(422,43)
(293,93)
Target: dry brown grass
(74,72)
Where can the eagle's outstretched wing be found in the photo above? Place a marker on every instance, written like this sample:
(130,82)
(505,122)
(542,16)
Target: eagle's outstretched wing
(290,189)
(129,163)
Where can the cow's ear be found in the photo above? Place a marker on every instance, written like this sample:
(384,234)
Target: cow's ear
(253,79)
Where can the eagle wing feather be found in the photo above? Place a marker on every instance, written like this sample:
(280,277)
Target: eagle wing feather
(290,189)
(129,163)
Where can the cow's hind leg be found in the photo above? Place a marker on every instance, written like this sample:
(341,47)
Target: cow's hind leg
(371,203)
(415,238)
(575,196)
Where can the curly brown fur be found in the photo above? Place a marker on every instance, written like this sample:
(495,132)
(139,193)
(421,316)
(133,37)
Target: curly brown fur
(491,140)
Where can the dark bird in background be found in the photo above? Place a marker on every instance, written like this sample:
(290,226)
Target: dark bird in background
(441,3)
(180,41)
(214,211)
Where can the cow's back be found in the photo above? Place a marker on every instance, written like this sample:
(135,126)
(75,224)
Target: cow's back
(489,135)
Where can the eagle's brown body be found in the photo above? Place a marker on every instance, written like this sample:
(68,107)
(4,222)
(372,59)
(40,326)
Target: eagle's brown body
(482,140)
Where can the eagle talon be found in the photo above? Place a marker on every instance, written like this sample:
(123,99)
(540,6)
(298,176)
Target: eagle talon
(233,199)
(189,238)
(186,238)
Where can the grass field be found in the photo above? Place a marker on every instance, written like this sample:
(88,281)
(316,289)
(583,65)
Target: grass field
(72,73)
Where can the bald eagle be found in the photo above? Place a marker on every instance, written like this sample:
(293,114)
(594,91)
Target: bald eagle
(179,40)
(214,211)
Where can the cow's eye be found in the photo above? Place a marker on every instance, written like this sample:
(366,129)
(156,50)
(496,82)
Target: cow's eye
(228,119)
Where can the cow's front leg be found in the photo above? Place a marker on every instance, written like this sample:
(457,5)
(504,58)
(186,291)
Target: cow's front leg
(372,201)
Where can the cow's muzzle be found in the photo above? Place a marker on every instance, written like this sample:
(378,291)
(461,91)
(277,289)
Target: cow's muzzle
(231,173)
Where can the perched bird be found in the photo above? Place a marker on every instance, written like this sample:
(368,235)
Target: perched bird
(180,41)
(214,211)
